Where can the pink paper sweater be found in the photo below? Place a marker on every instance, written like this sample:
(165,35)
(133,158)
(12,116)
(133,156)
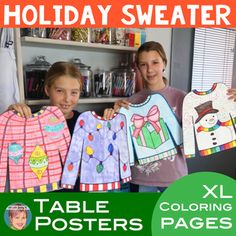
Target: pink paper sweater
(33,150)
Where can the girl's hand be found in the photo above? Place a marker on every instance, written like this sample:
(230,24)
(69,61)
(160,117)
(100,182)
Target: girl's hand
(108,113)
(21,108)
(121,103)
(232,94)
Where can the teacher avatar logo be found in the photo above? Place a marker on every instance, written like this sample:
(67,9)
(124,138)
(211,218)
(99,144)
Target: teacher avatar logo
(17,216)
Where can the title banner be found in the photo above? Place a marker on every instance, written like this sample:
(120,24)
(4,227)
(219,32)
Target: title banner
(122,13)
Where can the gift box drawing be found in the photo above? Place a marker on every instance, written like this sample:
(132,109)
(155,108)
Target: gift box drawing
(149,131)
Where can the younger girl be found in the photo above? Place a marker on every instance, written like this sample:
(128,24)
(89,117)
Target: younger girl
(62,85)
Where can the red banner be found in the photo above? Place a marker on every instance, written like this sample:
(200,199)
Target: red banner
(122,13)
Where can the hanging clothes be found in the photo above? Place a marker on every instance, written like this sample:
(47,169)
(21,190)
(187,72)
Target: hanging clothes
(9,89)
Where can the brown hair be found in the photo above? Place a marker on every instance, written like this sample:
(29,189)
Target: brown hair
(16,208)
(62,68)
(152,46)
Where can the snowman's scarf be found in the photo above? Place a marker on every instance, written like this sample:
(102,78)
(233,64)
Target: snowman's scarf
(216,126)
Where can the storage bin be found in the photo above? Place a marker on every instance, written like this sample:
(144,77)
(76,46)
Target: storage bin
(60,33)
(80,35)
(87,78)
(102,83)
(123,81)
(34,77)
(34,32)
(100,35)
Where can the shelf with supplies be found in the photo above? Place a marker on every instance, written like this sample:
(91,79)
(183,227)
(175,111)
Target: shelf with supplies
(92,100)
(102,67)
(31,41)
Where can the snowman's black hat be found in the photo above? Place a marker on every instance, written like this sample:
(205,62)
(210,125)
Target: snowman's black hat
(203,109)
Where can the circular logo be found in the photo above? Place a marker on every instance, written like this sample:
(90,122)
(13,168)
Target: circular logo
(201,203)
(17,216)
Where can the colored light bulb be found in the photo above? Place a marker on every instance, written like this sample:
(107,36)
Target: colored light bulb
(110,148)
(81,123)
(99,126)
(99,167)
(89,151)
(90,137)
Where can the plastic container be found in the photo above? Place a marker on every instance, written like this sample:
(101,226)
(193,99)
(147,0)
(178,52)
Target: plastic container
(123,81)
(34,32)
(87,74)
(60,33)
(137,37)
(100,35)
(102,83)
(143,35)
(34,77)
(80,35)
(130,38)
(118,36)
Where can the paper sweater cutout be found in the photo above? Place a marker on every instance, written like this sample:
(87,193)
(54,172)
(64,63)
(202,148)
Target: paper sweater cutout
(209,117)
(99,149)
(154,129)
(33,150)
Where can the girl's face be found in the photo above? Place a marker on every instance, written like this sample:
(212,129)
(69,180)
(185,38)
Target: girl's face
(64,93)
(18,221)
(151,67)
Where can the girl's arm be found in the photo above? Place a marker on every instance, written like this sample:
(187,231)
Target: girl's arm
(232,94)
(109,112)
(121,103)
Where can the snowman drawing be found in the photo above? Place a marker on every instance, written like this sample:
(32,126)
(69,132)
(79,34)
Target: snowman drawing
(210,131)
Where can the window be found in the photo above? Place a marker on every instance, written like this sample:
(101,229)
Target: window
(213,57)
